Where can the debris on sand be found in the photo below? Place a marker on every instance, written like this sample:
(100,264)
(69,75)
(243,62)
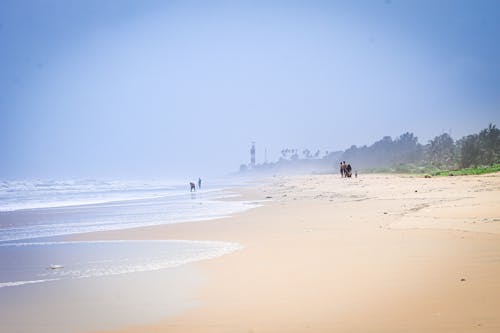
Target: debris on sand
(55,267)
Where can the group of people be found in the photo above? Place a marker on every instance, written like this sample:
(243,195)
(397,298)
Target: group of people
(346,170)
(193,185)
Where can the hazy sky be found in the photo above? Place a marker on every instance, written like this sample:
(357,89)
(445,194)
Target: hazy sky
(164,89)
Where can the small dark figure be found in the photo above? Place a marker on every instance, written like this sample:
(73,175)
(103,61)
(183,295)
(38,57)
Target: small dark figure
(341,170)
(356,174)
(344,169)
(199,183)
(348,170)
(193,186)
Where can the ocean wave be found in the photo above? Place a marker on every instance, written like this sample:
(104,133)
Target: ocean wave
(20,283)
(87,259)
(23,195)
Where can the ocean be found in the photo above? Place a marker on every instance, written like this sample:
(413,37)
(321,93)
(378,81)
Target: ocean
(36,215)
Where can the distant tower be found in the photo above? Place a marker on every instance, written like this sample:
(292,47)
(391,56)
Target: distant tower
(252,155)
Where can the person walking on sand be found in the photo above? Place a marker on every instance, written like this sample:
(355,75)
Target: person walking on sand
(199,183)
(341,170)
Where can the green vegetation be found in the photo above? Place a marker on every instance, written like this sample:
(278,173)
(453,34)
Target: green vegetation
(471,155)
(469,171)
(403,168)
(405,154)
(429,170)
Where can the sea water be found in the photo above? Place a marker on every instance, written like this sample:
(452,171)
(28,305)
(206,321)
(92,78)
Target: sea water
(37,262)
(32,214)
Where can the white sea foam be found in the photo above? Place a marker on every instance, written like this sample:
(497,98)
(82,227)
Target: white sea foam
(124,241)
(128,205)
(20,283)
(64,208)
(70,199)
(49,194)
(201,211)
(85,259)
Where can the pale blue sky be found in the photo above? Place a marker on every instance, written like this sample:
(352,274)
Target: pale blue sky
(180,89)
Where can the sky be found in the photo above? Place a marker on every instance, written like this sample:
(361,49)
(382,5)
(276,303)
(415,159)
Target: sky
(167,89)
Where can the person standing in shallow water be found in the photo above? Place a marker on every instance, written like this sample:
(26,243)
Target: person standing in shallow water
(199,183)
(192,186)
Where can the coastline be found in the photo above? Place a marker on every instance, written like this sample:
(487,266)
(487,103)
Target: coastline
(104,284)
(329,254)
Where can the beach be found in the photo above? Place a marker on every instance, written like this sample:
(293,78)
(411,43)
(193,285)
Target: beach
(178,167)
(52,282)
(378,253)
(310,253)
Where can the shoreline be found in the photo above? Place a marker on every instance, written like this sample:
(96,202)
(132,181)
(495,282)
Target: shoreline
(84,294)
(329,254)
(378,253)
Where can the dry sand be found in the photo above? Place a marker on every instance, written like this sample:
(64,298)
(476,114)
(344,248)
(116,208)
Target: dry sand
(380,253)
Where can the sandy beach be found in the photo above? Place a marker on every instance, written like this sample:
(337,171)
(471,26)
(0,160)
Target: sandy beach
(175,166)
(380,253)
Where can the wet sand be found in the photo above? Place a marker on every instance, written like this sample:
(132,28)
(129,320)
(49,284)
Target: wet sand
(380,253)
(108,302)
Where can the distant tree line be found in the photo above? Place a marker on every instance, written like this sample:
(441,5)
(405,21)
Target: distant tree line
(480,149)
(386,152)
(442,152)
